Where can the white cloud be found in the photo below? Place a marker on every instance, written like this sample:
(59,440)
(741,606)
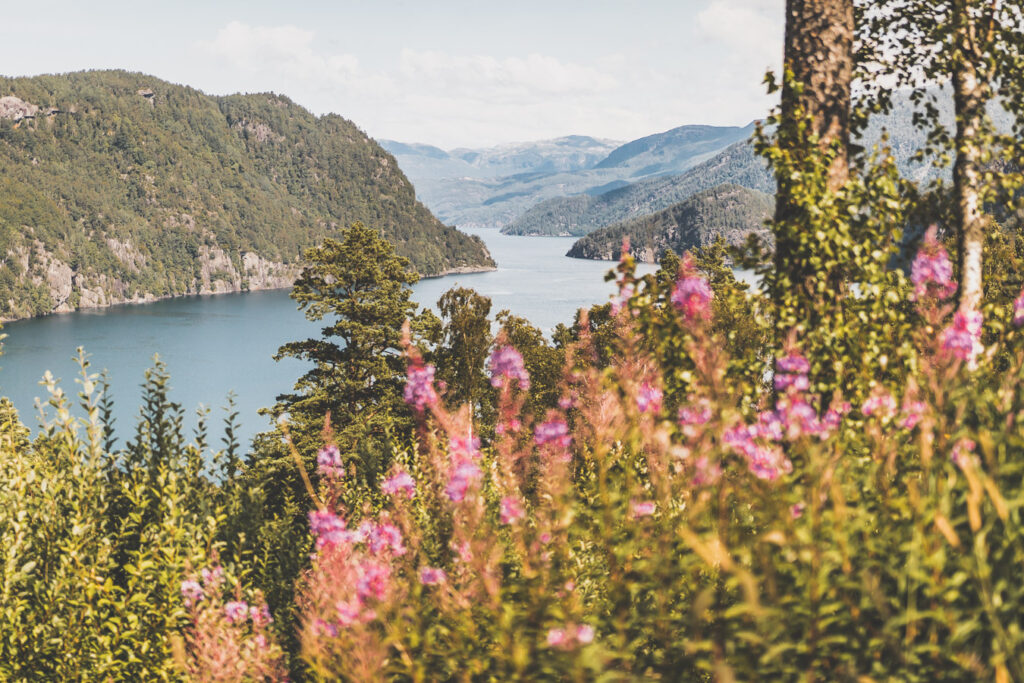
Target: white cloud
(442,97)
(534,73)
(286,50)
(752,29)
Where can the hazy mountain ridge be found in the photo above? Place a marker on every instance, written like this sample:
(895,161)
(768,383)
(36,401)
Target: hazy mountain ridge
(728,211)
(118,186)
(582,214)
(491,188)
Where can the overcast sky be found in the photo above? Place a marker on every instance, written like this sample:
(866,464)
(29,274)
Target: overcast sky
(446,72)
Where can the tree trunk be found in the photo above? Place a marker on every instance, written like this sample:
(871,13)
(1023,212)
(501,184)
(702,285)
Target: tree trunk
(970,94)
(819,52)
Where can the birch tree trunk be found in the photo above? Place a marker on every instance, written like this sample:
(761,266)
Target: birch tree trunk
(970,94)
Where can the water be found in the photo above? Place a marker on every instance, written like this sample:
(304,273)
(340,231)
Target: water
(214,345)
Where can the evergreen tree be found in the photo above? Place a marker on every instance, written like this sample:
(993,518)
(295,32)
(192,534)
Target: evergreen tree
(361,287)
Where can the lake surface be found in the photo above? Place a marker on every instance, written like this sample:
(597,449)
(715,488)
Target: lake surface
(214,345)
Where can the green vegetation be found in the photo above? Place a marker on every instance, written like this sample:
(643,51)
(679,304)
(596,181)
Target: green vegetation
(727,212)
(124,187)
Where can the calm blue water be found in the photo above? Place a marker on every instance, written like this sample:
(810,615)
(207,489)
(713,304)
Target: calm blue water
(214,345)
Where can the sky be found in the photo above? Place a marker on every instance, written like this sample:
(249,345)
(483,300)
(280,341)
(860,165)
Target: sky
(451,73)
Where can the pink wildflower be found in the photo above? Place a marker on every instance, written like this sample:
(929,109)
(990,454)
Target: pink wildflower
(880,404)
(1018,310)
(963,453)
(328,462)
(191,591)
(706,473)
(430,576)
(329,529)
(465,474)
(963,337)
(384,536)
(554,431)
(212,578)
(400,482)
(557,637)
(419,388)
(649,398)
(374,580)
(507,364)
(932,273)
(791,371)
(796,511)
(511,510)
(236,612)
(913,411)
(692,296)
(641,508)
(585,634)
(464,448)
(260,615)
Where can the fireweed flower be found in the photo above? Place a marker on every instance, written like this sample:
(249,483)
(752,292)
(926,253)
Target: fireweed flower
(648,400)
(191,591)
(1018,310)
(932,273)
(796,510)
(913,411)
(705,472)
(419,387)
(554,431)
(963,337)
(212,578)
(692,297)
(380,537)
(511,509)
(464,448)
(963,453)
(400,482)
(463,476)
(641,508)
(507,364)
(328,462)
(374,580)
(557,637)
(236,612)
(260,615)
(880,404)
(791,371)
(329,529)
(431,576)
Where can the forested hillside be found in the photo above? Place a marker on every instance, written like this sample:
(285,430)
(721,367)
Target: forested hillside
(582,214)
(727,211)
(118,186)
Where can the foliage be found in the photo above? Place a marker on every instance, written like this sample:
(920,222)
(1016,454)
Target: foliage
(155,196)
(727,211)
(96,541)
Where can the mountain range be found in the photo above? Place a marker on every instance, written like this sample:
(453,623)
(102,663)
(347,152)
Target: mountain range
(470,188)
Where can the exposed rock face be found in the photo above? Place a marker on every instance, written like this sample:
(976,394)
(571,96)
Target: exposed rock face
(16,109)
(217,273)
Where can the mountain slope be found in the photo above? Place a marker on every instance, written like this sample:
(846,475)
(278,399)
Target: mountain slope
(493,187)
(117,186)
(728,211)
(582,214)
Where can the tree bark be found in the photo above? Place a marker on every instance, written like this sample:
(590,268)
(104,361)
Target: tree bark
(970,94)
(819,52)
